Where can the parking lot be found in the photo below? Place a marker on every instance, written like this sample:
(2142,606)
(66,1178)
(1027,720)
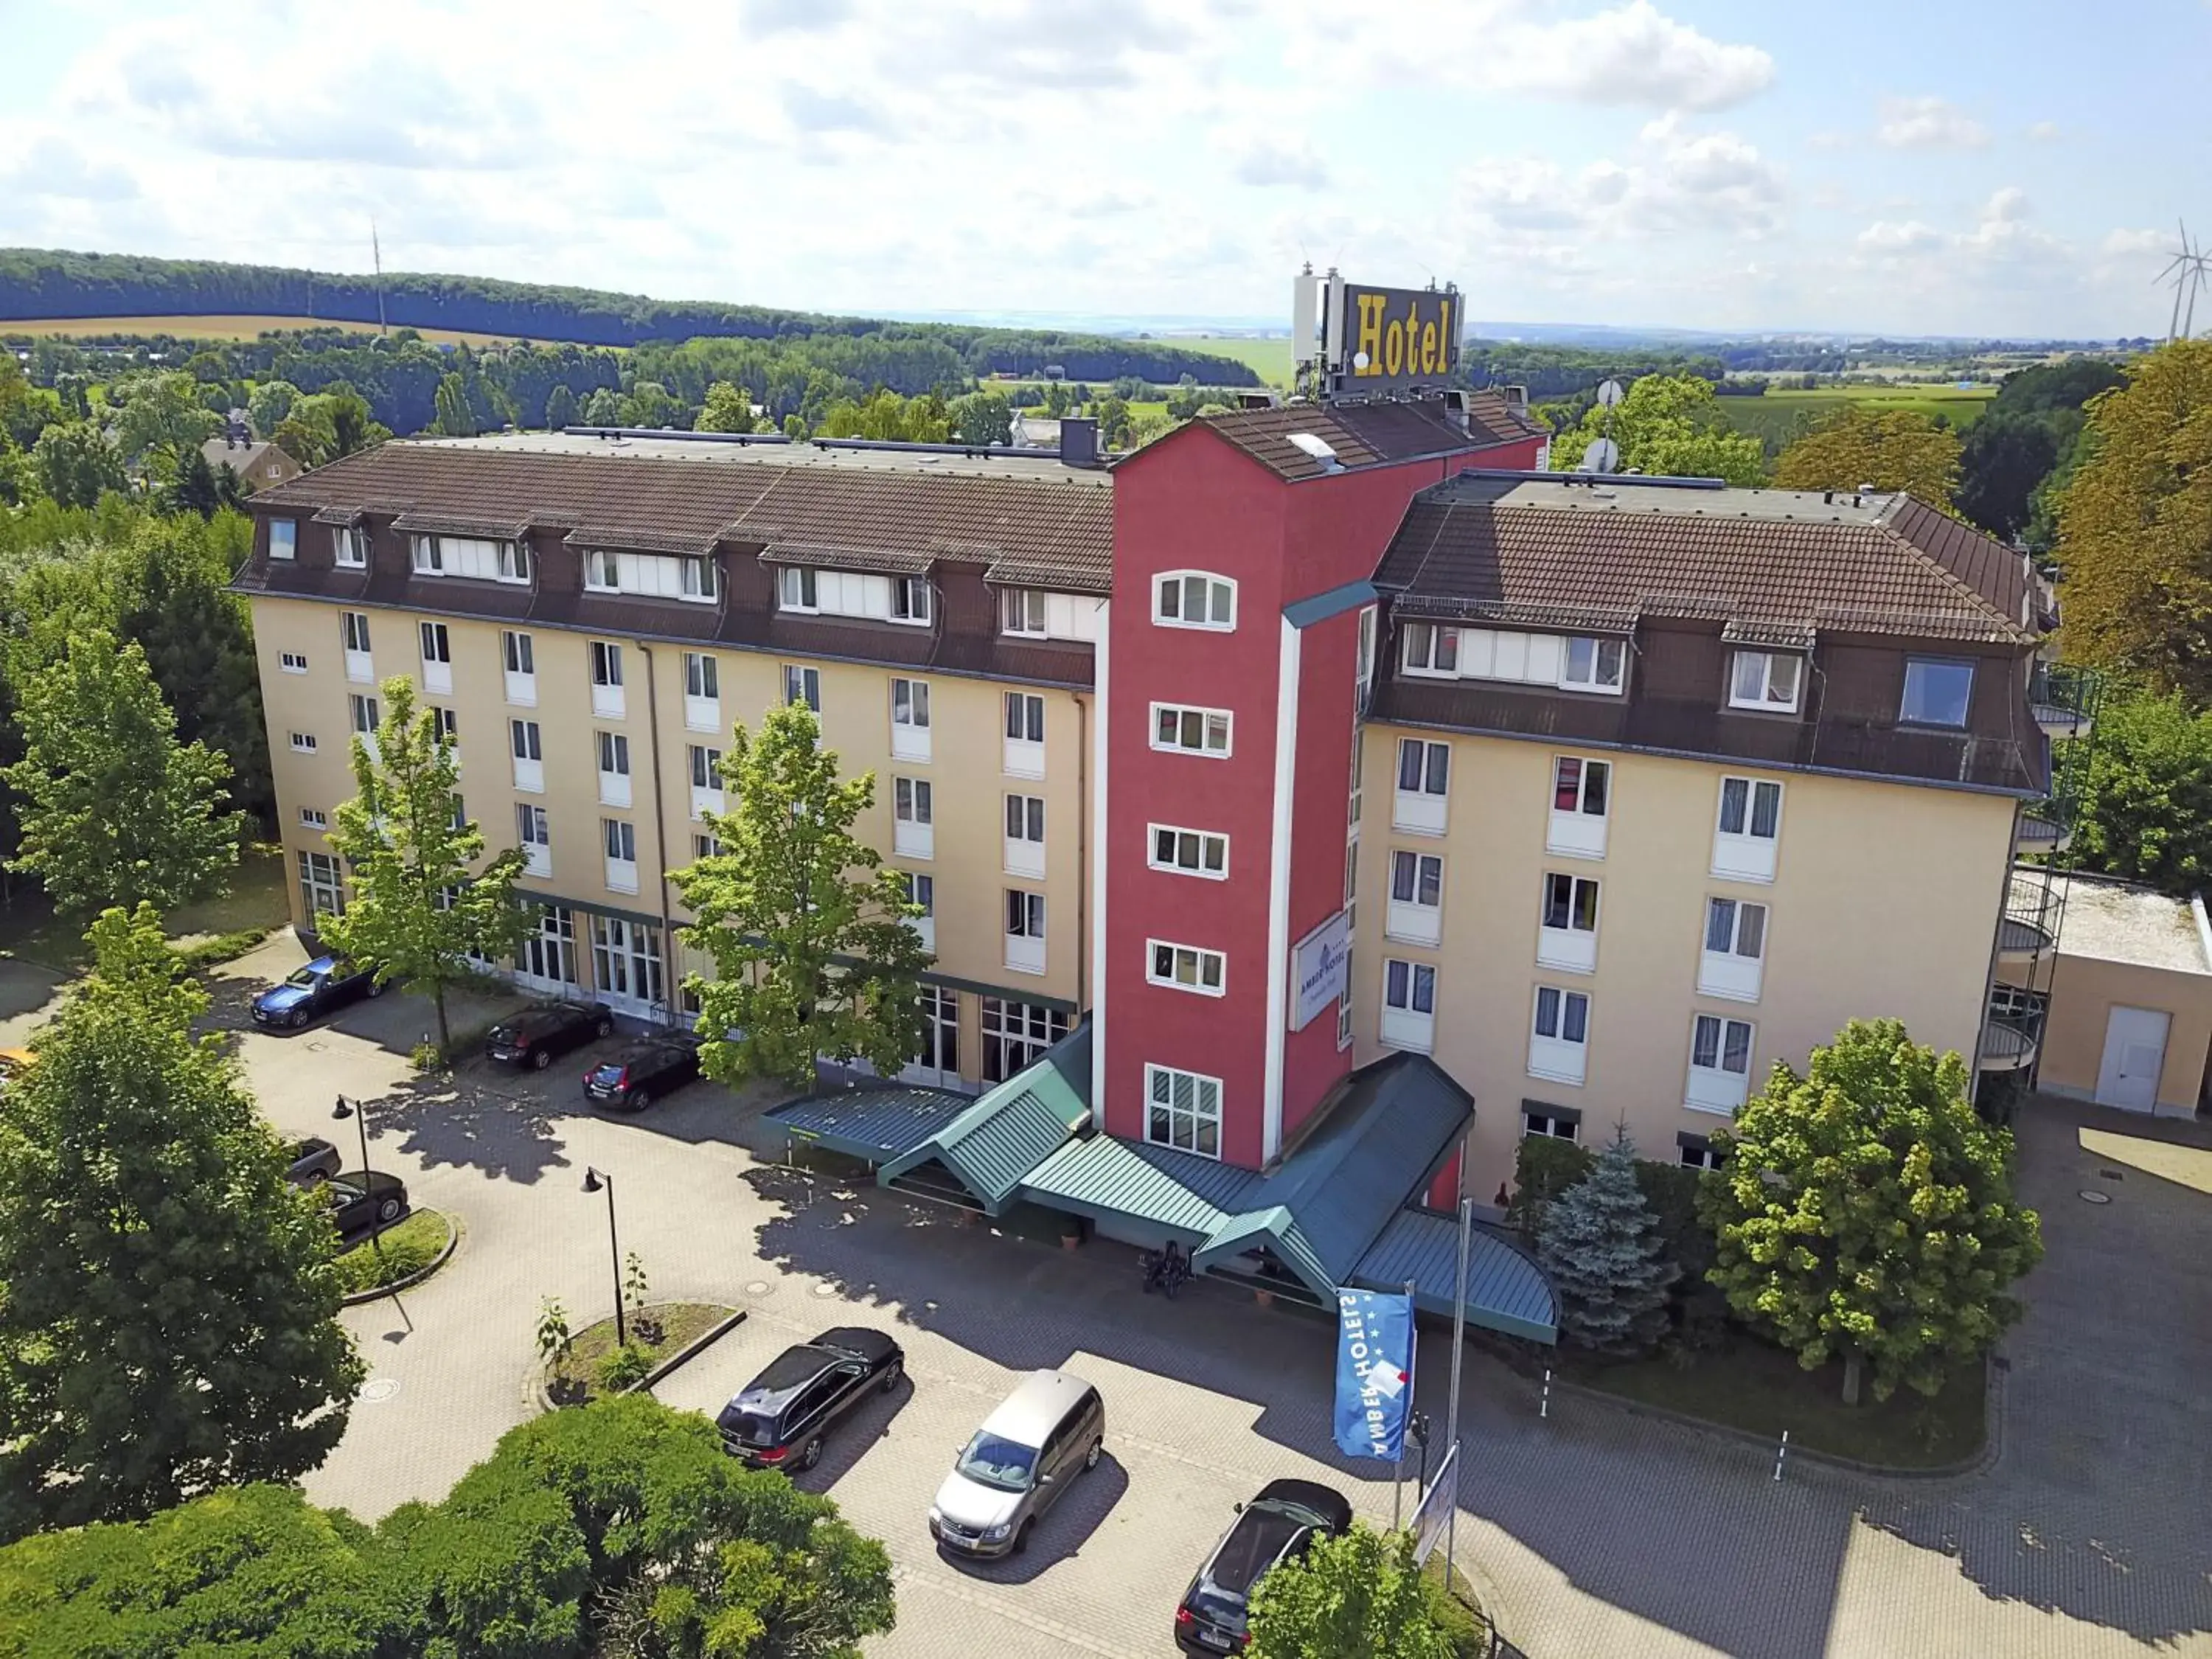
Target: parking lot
(1590,1531)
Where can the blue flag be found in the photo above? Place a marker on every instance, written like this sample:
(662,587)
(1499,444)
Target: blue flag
(1374,1373)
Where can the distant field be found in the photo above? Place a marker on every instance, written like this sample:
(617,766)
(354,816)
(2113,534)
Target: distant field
(1776,417)
(1270,359)
(220,328)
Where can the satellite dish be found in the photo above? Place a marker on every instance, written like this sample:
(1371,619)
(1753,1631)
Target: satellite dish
(1609,393)
(1602,456)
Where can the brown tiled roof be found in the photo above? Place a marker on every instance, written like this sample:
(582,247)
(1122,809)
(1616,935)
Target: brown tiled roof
(1367,434)
(1063,528)
(1761,559)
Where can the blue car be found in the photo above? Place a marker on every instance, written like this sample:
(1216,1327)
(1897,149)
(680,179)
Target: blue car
(314,989)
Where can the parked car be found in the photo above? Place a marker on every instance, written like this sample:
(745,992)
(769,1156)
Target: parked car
(779,1418)
(313,989)
(13,1064)
(1279,1525)
(645,1071)
(312,1159)
(1051,1428)
(362,1198)
(536,1035)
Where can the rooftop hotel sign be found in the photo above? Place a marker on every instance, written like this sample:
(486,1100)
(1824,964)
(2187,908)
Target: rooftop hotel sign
(1396,337)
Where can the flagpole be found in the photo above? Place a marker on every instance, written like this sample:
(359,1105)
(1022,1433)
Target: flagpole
(1406,1412)
(1459,1342)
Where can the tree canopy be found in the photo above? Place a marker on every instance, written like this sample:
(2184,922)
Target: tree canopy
(2146,807)
(1671,425)
(809,934)
(168,1322)
(1865,1212)
(2135,526)
(1600,1242)
(1357,1595)
(1865,444)
(727,409)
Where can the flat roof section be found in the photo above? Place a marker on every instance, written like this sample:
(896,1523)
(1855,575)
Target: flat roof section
(769,451)
(2118,922)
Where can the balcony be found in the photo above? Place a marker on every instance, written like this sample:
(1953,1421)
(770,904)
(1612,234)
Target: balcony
(2009,1040)
(2029,925)
(2046,827)
(2064,699)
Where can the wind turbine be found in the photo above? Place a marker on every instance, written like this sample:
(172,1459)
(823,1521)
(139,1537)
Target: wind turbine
(2189,270)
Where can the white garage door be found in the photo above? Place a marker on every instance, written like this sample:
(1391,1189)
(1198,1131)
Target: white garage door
(2135,1052)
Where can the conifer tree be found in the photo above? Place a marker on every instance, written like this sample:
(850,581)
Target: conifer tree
(1599,1243)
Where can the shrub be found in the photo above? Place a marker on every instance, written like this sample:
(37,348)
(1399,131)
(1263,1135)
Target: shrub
(1543,1168)
(621,1367)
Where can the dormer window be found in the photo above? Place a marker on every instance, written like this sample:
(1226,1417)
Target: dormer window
(471,556)
(284,538)
(350,547)
(911,600)
(795,589)
(1767,680)
(1432,650)
(654,575)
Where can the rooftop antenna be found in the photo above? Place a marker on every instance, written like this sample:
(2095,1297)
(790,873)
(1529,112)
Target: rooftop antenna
(1603,454)
(376,252)
(2189,271)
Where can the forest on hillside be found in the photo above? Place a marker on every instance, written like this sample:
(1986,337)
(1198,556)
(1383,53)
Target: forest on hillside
(48,282)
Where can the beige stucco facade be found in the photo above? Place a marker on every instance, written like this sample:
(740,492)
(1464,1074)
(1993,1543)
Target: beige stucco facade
(1883,901)
(966,770)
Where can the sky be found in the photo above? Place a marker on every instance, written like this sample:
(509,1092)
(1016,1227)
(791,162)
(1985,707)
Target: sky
(1921,166)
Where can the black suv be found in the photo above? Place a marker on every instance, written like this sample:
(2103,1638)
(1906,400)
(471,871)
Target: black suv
(1279,1525)
(643,1071)
(790,1406)
(534,1036)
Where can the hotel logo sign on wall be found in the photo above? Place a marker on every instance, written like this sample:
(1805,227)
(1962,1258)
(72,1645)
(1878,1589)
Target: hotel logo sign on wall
(1319,966)
(1387,337)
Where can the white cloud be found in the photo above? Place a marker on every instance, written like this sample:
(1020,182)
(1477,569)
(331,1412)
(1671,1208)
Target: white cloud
(1928,124)
(2120,244)
(1675,180)
(1264,159)
(1887,236)
(2044,131)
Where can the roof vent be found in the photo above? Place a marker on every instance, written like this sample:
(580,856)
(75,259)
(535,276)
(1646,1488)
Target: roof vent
(1317,447)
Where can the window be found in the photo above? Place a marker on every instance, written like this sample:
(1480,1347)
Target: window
(1186,967)
(939,1054)
(549,953)
(1424,779)
(303,741)
(315,818)
(1409,1004)
(350,546)
(626,960)
(921,889)
(353,625)
(803,685)
(1417,882)
(531,826)
(1937,692)
(423,553)
(293,662)
(620,838)
(1191,598)
(1024,844)
(702,676)
(464,556)
(909,720)
(1182,1109)
(1593,665)
(913,834)
(1554,1122)
(437,656)
(1432,650)
(1016,1035)
(1735,944)
(614,753)
(521,656)
(284,538)
(320,890)
(1582,792)
(367,714)
(910,798)
(1363,674)
(603,572)
(1568,937)
(911,600)
(706,767)
(1695,1152)
(528,745)
(697,577)
(1358,765)
(1189,852)
(449,725)
(1558,1037)
(1024,940)
(795,589)
(1749,824)
(1191,731)
(1720,1063)
(706,847)
(1765,679)
(1021,611)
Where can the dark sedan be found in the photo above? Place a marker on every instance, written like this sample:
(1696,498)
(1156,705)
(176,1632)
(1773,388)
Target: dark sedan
(535,1036)
(362,1198)
(1279,1525)
(314,989)
(778,1419)
(312,1160)
(644,1072)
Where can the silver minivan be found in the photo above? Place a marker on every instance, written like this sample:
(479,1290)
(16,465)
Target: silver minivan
(1019,1464)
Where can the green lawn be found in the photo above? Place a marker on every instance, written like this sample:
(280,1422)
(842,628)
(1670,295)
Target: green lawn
(1750,1386)
(1778,416)
(1271,358)
(405,1248)
(667,1328)
(257,900)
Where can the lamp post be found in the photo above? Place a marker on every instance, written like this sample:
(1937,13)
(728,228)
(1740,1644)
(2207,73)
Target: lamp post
(358,1111)
(593,1181)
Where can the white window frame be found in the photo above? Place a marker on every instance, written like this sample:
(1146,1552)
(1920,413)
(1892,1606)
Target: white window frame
(284,539)
(303,742)
(1720,1087)
(1024,922)
(1547,1123)
(1199,843)
(913,605)
(618,841)
(1022,753)
(1729,971)
(699,578)
(602,571)
(910,732)
(1182,714)
(518,663)
(609,701)
(525,747)
(611,752)
(1406,1021)
(798,589)
(1209,970)
(292,662)
(1407,915)
(1570,945)
(314,817)
(1022,613)
(1022,842)
(914,804)
(704,763)
(1215,593)
(322,877)
(1757,671)
(1015,1035)
(802,684)
(1204,1125)
(704,846)
(702,691)
(435,642)
(1429,650)
(350,547)
(1743,854)
(922,889)
(1904,697)
(365,713)
(1554,1055)
(1423,809)
(1604,667)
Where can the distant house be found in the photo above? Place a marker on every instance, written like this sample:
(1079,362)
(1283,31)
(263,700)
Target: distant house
(258,464)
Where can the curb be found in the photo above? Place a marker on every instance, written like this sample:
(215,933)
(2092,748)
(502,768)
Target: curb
(534,1393)
(355,1298)
(1982,1457)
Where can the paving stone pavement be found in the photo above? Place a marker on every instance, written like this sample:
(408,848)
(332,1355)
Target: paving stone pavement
(1592,1532)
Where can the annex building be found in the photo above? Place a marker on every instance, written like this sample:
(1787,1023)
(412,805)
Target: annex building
(1305,807)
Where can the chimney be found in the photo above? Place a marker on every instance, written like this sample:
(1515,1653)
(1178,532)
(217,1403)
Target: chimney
(1078,440)
(1517,396)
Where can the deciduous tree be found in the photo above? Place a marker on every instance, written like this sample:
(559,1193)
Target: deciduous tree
(984,418)
(812,953)
(2135,526)
(114,809)
(1355,1596)
(1865,1213)
(167,1325)
(728,409)
(455,419)
(2003,459)
(561,409)
(75,464)
(160,415)
(1668,424)
(2146,808)
(1600,1242)
(1865,444)
(268,403)
(419,907)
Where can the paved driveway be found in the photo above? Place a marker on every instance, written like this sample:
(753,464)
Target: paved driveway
(1595,1532)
